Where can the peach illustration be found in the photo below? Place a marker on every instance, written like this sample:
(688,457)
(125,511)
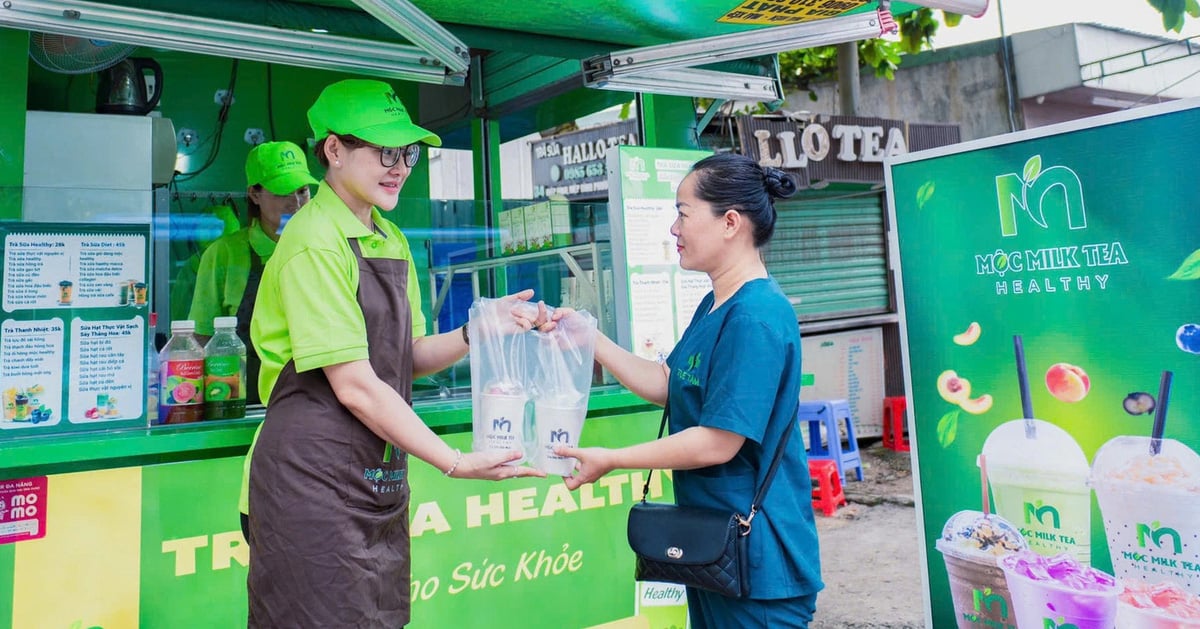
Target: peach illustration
(1067,382)
(978,405)
(952,388)
(970,336)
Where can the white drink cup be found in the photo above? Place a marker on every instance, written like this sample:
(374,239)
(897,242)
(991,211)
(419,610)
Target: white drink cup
(500,423)
(1151,510)
(556,425)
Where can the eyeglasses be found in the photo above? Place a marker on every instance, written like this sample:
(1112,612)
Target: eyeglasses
(389,156)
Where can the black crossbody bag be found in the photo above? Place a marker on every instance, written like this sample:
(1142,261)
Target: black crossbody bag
(696,546)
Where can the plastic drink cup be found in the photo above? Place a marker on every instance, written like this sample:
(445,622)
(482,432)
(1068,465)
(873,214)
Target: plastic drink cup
(1160,606)
(1040,484)
(22,407)
(557,424)
(971,544)
(139,294)
(65,290)
(1059,592)
(500,423)
(1151,510)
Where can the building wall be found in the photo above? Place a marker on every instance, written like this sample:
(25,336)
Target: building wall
(963,85)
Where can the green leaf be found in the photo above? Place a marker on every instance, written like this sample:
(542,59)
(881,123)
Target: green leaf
(924,194)
(947,428)
(1033,168)
(1189,270)
(1193,8)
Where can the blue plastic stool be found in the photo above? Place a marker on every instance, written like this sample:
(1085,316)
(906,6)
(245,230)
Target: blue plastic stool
(826,413)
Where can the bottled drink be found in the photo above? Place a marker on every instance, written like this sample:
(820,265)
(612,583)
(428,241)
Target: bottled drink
(225,372)
(181,376)
(152,374)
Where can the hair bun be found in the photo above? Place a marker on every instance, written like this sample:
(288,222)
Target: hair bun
(780,185)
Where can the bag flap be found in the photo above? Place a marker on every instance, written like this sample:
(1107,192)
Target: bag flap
(680,535)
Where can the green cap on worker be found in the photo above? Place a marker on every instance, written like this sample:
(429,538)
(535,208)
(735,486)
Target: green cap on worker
(369,110)
(280,167)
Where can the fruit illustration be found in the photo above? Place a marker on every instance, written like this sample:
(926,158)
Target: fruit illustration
(952,388)
(92,413)
(183,392)
(969,336)
(978,405)
(1067,382)
(1139,403)
(216,391)
(1187,337)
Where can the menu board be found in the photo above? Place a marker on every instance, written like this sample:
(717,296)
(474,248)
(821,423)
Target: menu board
(1051,318)
(848,366)
(658,296)
(74,334)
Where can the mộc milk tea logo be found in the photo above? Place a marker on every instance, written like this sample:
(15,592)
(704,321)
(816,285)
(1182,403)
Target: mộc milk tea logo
(560,436)
(1058,623)
(1157,534)
(500,424)
(1038,201)
(989,603)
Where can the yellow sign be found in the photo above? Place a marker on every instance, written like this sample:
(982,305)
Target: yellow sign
(787,11)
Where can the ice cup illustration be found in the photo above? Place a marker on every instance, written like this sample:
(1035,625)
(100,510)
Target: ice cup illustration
(1159,606)
(1039,480)
(1148,489)
(1059,592)
(971,544)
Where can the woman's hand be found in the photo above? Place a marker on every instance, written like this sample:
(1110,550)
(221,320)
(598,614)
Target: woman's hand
(592,463)
(493,466)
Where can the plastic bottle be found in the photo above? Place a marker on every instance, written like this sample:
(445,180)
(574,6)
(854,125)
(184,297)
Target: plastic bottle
(152,382)
(181,376)
(225,372)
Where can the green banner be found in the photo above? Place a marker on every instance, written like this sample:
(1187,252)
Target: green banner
(161,546)
(1080,242)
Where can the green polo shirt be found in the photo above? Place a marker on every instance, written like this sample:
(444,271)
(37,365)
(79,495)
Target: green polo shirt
(223,273)
(307,307)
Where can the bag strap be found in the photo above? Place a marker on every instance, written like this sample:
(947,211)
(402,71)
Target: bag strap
(776,459)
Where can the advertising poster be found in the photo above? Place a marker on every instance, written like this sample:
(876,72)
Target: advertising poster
(151,547)
(74,332)
(657,294)
(1050,291)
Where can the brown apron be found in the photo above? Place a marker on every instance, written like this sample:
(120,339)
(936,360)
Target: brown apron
(244,313)
(329,499)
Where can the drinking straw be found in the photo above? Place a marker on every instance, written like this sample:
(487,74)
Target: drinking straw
(1023,382)
(1160,413)
(983,481)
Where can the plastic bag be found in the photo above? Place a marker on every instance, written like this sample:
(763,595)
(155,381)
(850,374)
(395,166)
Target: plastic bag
(529,389)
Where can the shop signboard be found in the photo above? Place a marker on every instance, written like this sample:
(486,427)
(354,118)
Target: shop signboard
(1050,300)
(74,332)
(152,547)
(572,164)
(658,297)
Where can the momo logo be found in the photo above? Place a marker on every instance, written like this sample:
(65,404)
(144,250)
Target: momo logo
(1153,533)
(991,604)
(501,424)
(1060,623)
(1036,512)
(560,436)
(1034,191)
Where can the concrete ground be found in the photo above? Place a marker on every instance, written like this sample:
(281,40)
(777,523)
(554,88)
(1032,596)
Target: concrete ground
(869,550)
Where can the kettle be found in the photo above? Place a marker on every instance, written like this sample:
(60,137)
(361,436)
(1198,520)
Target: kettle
(122,88)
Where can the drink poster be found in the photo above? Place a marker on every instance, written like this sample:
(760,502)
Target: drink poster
(1050,299)
(74,332)
(658,296)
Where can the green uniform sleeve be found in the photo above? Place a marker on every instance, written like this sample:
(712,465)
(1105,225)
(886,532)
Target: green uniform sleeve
(210,286)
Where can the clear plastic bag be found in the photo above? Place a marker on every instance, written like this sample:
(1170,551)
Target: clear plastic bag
(529,389)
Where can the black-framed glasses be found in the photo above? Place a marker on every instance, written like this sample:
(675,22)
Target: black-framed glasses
(389,156)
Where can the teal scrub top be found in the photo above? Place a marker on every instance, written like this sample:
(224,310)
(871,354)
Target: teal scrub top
(737,368)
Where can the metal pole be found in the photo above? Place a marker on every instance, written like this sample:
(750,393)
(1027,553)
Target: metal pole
(848,78)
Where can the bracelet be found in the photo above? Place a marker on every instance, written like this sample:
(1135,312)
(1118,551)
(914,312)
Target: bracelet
(466,337)
(457,460)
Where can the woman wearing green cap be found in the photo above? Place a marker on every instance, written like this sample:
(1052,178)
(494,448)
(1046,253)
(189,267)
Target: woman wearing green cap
(277,181)
(340,331)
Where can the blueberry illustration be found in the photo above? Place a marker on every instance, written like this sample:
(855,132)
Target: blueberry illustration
(1188,338)
(1139,403)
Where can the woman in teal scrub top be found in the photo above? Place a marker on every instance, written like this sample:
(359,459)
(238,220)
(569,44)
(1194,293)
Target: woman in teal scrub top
(732,383)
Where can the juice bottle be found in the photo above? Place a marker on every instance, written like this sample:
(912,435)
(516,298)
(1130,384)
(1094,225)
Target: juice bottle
(181,376)
(225,372)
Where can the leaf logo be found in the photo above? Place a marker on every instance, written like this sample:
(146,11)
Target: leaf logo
(1030,193)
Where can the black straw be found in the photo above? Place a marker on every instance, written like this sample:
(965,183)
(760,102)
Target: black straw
(1023,382)
(1160,413)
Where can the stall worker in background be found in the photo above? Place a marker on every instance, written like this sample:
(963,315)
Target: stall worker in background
(339,328)
(732,384)
(277,181)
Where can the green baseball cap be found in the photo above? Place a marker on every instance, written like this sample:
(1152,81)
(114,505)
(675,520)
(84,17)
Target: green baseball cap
(369,110)
(280,167)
